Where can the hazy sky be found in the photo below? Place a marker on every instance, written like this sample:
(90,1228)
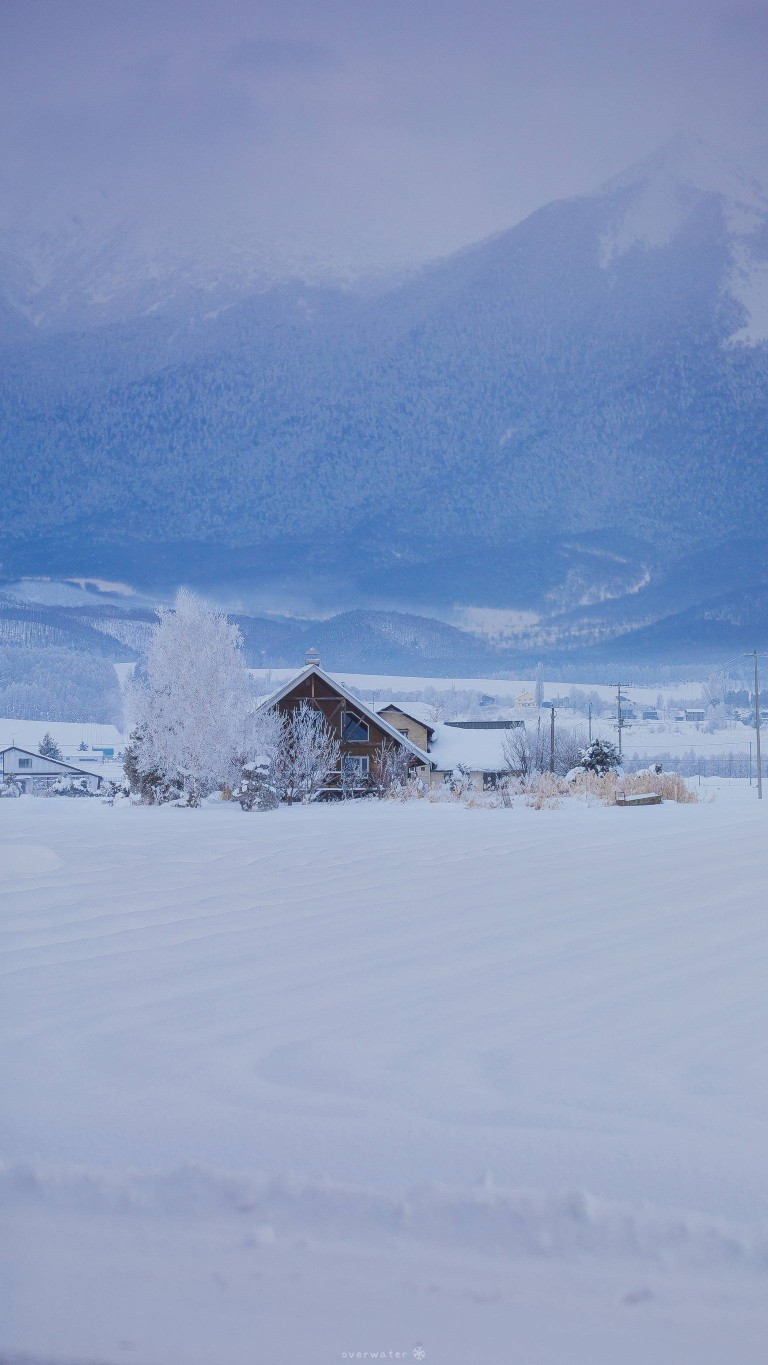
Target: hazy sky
(410,124)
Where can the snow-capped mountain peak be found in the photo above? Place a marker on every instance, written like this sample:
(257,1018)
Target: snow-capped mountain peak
(657,196)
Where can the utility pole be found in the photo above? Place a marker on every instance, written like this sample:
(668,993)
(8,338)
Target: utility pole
(619,717)
(590,722)
(757,731)
(552,740)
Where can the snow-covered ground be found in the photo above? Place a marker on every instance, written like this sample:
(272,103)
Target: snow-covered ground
(486,1084)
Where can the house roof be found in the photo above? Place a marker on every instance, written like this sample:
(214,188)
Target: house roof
(304,673)
(478,750)
(17,749)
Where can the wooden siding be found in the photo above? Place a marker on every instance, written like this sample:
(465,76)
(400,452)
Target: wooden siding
(417,732)
(315,692)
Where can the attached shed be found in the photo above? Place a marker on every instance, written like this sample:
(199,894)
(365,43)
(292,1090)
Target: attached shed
(482,753)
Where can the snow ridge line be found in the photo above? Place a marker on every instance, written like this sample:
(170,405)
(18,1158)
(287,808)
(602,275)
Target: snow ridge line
(483,1219)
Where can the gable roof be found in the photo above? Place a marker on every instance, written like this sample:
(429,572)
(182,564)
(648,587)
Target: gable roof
(300,677)
(418,711)
(43,758)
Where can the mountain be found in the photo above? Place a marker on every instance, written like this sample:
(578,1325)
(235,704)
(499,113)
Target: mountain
(551,422)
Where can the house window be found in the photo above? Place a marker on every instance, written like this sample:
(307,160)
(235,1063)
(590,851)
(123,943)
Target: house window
(355,765)
(25,762)
(353,729)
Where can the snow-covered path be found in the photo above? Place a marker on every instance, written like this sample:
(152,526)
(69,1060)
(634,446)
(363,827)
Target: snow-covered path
(477,1079)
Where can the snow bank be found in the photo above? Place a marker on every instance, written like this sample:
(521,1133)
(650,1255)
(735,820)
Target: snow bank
(491,1221)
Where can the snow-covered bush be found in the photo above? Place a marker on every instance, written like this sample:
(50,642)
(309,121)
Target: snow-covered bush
(669,786)
(600,757)
(190,703)
(69,786)
(460,781)
(8,787)
(256,788)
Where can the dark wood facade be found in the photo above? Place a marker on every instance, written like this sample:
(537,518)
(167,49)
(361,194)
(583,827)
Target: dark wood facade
(357,729)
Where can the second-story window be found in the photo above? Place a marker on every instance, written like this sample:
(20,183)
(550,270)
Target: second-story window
(354,729)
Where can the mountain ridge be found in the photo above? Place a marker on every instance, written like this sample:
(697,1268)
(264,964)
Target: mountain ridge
(463,437)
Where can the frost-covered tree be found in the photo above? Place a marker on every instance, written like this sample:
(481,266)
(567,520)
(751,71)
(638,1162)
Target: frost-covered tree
(309,754)
(525,751)
(48,747)
(191,702)
(600,757)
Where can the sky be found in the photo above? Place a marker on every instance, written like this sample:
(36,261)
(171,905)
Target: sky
(379,131)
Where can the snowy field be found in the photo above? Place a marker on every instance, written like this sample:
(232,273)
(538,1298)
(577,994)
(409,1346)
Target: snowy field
(492,1084)
(496,687)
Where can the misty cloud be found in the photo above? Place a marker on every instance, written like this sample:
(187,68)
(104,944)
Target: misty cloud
(274,56)
(374,136)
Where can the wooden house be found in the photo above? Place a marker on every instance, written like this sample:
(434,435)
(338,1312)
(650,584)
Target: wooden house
(360,731)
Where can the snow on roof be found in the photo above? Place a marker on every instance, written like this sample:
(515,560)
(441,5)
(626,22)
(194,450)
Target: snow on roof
(479,750)
(359,705)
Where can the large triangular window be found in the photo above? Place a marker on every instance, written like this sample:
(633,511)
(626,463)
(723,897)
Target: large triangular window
(354,729)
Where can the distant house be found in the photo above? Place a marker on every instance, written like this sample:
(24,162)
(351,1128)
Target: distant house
(650,713)
(360,731)
(696,714)
(31,771)
(526,699)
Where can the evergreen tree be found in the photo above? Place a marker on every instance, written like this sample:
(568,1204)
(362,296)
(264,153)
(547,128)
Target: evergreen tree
(601,757)
(48,747)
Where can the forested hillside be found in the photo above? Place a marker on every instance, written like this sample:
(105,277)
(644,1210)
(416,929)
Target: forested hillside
(536,408)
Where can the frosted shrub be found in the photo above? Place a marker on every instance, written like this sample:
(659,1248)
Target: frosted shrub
(256,789)
(669,786)
(390,771)
(460,782)
(69,786)
(544,790)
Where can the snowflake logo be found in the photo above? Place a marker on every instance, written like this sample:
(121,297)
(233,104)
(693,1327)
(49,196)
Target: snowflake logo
(419,1353)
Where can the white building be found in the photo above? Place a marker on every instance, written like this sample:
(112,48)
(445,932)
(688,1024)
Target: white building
(30,771)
